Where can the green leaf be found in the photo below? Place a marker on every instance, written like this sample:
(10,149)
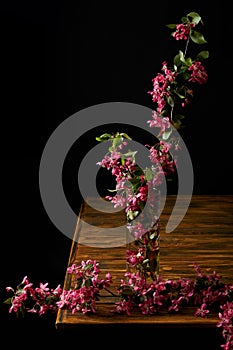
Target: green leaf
(138,172)
(78,283)
(166,134)
(176,124)
(148,174)
(170,101)
(177,61)
(136,183)
(179,94)
(131,215)
(116,141)
(185,75)
(126,136)
(177,121)
(104,137)
(184,19)
(130,154)
(88,283)
(171,25)
(178,117)
(152,235)
(188,61)
(8,301)
(203,55)
(197,37)
(181,56)
(196,18)
(145,261)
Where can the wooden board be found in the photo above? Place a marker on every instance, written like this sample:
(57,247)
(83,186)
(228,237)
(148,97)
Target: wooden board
(204,236)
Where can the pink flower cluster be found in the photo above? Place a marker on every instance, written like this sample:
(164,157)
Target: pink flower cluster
(208,293)
(87,286)
(161,87)
(39,300)
(126,171)
(138,188)
(183,30)
(172,91)
(173,86)
(198,73)
(81,297)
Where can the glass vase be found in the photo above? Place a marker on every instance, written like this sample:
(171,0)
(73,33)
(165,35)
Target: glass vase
(143,240)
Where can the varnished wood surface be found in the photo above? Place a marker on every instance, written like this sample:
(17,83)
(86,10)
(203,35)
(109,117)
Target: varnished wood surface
(204,236)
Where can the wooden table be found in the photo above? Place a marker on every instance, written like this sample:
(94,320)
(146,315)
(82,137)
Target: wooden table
(204,236)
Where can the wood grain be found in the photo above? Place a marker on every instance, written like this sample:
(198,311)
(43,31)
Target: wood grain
(204,236)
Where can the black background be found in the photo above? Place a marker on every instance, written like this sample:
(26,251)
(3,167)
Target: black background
(61,57)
